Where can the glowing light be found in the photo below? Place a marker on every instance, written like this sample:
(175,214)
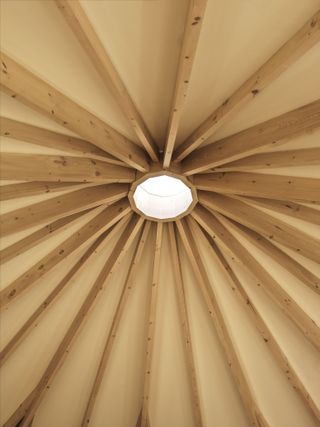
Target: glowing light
(162,197)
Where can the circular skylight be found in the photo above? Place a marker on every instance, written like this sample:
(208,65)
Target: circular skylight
(162,197)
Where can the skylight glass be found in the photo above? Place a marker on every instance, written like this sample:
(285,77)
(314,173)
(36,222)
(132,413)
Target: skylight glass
(162,197)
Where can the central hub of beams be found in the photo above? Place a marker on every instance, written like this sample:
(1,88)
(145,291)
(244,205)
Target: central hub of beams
(162,196)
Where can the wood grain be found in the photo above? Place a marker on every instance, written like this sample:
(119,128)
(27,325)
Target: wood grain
(254,139)
(303,40)
(26,87)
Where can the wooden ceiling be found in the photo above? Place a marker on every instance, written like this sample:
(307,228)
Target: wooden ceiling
(110,318)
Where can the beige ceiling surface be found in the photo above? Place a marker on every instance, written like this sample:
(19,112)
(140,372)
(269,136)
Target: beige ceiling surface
(143,38)
(236,39)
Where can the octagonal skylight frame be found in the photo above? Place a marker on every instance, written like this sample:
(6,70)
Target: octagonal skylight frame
(181,198)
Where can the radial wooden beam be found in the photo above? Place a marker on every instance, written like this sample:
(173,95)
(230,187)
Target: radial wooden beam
(241,379)
(254,139)
(47,138)
(16,418)
(126,291)
(151,326)
(29,425)
(89,40)
(286,303)
(187,56)
(281,187)
(26,189)
(39,167)
(35,317)
(19,247)
(25,86)
(249,306)
(60,206)
(291,265)
(276,159)
(296,210)
(290,52)
(138,424)
(185,327)
(57,359)
(100,223)
(263,223)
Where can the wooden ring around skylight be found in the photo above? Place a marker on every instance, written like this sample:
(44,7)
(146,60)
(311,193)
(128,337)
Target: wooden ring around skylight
(183,179)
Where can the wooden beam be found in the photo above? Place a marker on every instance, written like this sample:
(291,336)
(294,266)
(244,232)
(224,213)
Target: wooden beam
(249,306)
(27,189)
(286,303)
(291,51)
(263,223)
(25,86)
(191,35)
(267,246)
(185,327)
(91,43)
(47,138)
(276,159)
(100,223)
(151,316)
(17,417)
(60,206)
(296,210)
(126,291)
(19,247)
(254,139)
(39,167)
(35,317)
(56,361)
(240,376)
(138,423)
(305,190)
(29,425)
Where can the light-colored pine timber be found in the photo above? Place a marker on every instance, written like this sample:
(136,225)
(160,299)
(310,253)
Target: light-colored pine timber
(241,378)
(28,242)
(185,326)
(152,314)
(254,139)
(286,303)
(191,35)
(89,40)
(126,291)
(264,330)
(290,264)
(303,40)
(296,210)
(138,423)
(57,359)
(305,190)
(35,317)
(262,223)
(276,159)
(30,423)
(155,173)
(26,189)
(26,87)
(40,167)
(60,206)
(47,138)
(16,418)
(100,223)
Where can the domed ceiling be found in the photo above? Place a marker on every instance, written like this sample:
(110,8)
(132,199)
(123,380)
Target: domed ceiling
(110,318)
